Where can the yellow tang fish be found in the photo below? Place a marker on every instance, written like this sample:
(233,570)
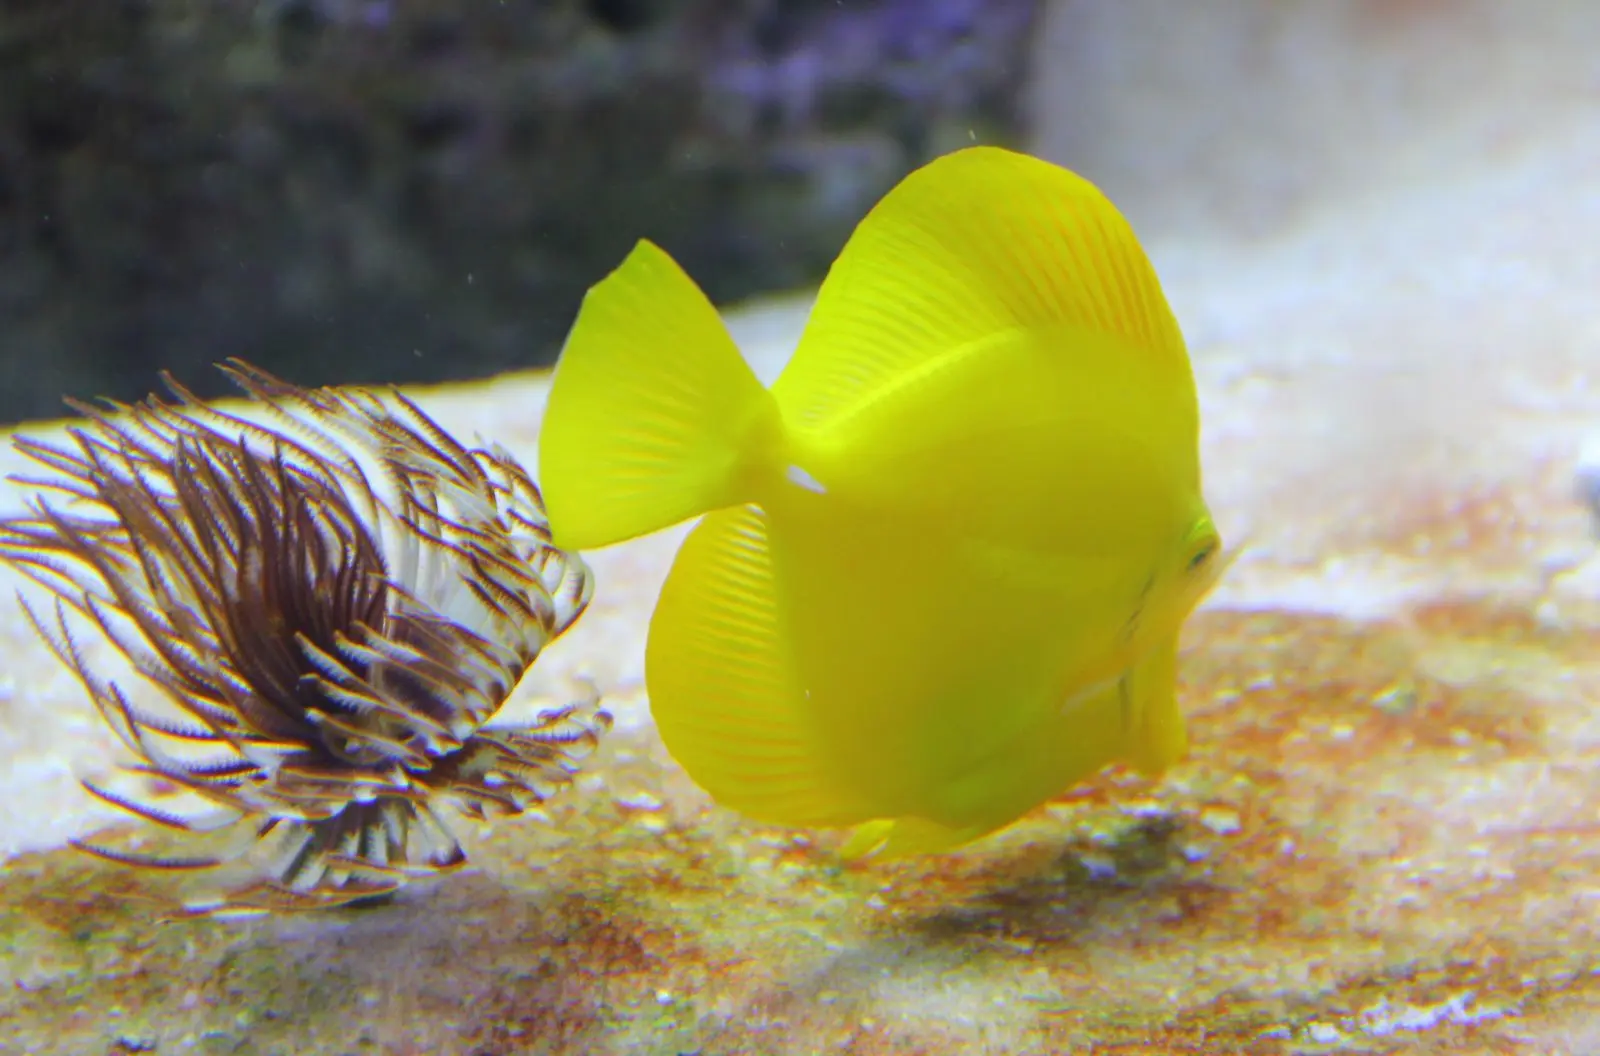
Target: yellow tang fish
(947,554)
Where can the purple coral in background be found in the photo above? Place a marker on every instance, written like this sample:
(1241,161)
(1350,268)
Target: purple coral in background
(830,64)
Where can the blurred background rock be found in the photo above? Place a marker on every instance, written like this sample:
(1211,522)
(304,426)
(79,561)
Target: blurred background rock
(414,190)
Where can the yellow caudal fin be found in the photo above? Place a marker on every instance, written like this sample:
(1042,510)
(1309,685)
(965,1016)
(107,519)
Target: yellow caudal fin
(1157,735)
(974,246)
(722,685)
(653,414)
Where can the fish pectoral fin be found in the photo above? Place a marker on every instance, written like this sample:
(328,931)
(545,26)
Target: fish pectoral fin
(1157,734)
(906,837)
(722,685)
(867,839)
(653,413)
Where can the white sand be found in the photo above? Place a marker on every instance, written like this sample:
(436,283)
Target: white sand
(1379,224)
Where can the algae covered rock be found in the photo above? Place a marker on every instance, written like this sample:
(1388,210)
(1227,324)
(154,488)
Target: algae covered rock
(377,190)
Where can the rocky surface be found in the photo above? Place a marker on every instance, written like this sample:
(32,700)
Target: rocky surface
(404,190)
(1386,837)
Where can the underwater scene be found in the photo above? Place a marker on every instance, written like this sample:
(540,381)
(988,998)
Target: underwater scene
(720,527)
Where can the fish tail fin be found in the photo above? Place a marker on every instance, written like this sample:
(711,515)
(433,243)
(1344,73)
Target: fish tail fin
(1158,737)
(654,417)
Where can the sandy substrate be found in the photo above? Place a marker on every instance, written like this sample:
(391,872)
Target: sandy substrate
(1380,226)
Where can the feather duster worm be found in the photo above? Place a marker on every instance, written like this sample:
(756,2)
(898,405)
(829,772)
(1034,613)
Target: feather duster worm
(333,636)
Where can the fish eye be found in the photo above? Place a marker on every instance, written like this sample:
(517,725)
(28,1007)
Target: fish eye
(1207,550)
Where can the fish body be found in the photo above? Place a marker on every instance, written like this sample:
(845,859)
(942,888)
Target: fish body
(946,556)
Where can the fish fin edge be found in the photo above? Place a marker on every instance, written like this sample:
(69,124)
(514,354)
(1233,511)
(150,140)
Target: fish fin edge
(1158,735)
(974,244)
(653,413)
(722,686)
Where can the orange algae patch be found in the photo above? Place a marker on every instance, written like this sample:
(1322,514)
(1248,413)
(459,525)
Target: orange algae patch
(1358,855)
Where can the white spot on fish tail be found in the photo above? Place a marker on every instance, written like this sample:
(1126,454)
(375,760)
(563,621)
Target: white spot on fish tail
(805,480)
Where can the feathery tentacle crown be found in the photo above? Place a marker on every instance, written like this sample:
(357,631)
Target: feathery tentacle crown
(329,640)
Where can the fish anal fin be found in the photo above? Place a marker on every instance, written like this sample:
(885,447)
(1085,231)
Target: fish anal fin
(722,685)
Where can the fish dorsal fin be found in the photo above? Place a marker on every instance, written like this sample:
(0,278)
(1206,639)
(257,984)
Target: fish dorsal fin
(970,246)
(722,685)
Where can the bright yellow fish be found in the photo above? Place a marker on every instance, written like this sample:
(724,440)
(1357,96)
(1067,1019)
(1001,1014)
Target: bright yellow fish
(947,555)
